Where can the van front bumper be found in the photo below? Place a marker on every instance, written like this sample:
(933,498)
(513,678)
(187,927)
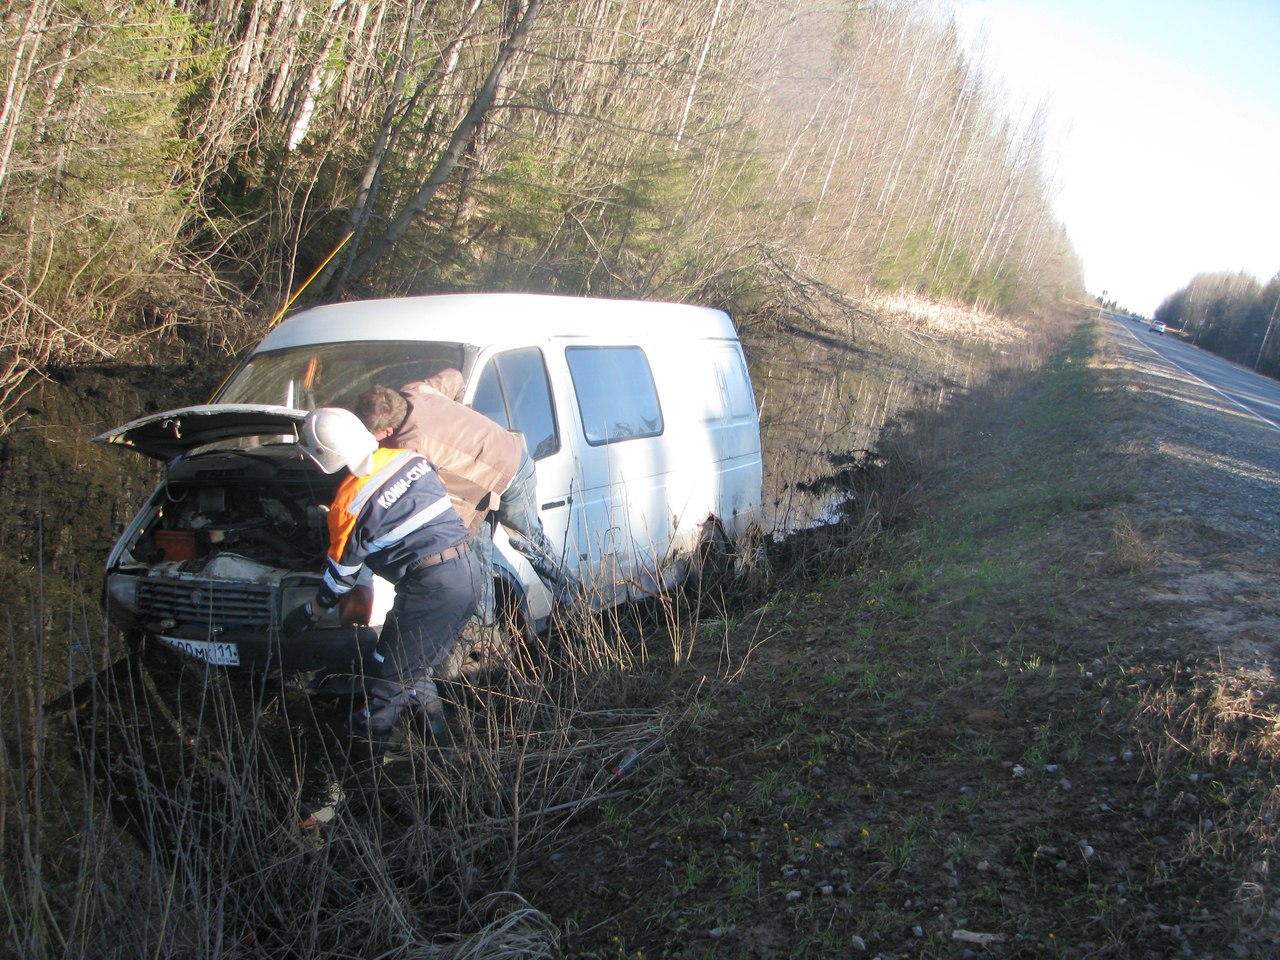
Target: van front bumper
(337,649)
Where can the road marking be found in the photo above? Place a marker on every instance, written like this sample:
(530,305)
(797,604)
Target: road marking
(1174,363)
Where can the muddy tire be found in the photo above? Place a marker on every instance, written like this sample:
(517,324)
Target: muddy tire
(508,644)
(711,566)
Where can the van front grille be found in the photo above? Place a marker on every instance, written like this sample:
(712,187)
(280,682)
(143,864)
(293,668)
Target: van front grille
(207,602)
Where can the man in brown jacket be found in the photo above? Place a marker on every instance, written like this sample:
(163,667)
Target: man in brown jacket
(485,468)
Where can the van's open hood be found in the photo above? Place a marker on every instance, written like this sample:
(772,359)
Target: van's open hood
(166,435)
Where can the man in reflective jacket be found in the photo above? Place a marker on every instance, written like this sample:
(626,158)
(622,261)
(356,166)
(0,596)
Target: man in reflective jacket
(391,513)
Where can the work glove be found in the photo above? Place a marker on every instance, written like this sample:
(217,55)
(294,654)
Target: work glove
(300,618)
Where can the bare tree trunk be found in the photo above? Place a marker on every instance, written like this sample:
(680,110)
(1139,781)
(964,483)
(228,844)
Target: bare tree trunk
(25,58)
(367,191)
(697,73)
(448,161)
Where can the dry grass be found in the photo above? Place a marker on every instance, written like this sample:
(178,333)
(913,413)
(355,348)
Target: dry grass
(948,322)
(170,788)
(1134,549)
(1207,743)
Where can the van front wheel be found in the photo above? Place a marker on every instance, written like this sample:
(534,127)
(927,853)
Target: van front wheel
(508,643)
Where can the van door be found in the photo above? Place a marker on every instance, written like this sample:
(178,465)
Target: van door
(513,388)
(622,464)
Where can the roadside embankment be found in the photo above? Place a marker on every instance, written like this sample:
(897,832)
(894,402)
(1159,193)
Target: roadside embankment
(1039,719)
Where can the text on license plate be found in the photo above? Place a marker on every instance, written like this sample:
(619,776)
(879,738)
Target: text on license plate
(210,651)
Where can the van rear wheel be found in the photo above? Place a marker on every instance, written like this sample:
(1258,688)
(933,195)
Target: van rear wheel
(711,565)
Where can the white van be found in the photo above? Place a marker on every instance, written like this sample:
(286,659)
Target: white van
(640,417)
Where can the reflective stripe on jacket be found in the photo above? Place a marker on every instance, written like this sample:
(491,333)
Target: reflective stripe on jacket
(389,520)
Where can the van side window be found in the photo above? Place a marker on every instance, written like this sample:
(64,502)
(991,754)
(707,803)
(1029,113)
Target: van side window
(616,394)
(731,371)
(513,390)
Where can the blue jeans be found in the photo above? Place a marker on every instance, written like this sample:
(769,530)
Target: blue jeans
(518,513)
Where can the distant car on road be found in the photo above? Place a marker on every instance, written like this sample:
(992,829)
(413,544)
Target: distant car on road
(1157,327)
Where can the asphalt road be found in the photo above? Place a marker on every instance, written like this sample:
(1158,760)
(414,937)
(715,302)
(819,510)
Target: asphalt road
(1252,393)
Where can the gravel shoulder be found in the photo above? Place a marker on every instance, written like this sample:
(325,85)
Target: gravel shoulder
(1212,504)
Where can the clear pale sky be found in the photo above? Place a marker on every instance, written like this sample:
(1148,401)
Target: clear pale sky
(1164,130)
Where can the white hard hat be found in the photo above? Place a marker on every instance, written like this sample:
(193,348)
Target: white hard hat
(335,438)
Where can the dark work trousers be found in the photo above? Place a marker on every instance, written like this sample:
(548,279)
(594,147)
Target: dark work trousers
(425,623)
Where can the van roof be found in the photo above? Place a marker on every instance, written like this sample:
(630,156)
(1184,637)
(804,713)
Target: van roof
(480,318)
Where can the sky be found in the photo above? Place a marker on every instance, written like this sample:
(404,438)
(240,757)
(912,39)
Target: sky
(1164,130)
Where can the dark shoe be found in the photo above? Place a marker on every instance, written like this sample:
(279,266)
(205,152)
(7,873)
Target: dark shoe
(431,727)
(428,713)
(385,700)
(365,751)
(371,726)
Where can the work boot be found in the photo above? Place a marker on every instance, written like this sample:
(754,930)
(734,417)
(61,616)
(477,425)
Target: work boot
(385,700)
(428,711)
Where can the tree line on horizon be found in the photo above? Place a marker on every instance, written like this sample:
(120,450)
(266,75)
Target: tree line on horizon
(1230,314)
(177,170)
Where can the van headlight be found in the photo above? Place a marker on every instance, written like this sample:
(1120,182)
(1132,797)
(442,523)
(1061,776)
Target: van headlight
(355,608)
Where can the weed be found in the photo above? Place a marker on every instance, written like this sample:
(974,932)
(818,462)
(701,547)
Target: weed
(744,886)
(872,677)
(898,849)
(1034,761)
(1134,550)
(694,872)
(971,800)
(767,787)
(617,824)
(961,847)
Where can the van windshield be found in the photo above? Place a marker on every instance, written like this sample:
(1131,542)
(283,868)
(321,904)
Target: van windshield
(334,374)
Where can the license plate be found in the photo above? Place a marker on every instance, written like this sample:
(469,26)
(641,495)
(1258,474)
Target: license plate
(210,651)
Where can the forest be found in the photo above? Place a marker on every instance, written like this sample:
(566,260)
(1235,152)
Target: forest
(174,173)
(1230,314)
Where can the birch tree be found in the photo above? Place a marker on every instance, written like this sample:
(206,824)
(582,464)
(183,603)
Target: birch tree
(524,16)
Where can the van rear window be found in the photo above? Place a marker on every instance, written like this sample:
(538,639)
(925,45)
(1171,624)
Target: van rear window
(616,394)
